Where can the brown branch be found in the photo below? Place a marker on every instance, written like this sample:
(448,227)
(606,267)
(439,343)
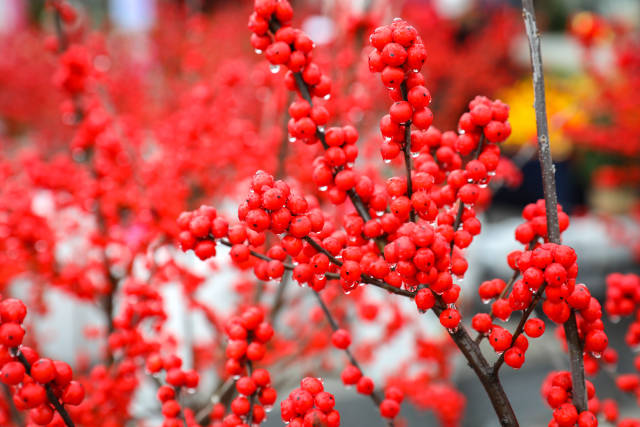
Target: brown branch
(377,400)
(63,43)
(407,153)
(489,379)
(576,361)
(49,391)
(16,415)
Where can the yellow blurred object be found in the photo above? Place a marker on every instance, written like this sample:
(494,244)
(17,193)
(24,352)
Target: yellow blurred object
(563,101)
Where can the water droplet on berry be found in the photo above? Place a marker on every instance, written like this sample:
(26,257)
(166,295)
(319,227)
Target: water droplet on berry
(258,51)
(379,213)
(268,408)
(387,161)
(416,70)
(614,319)
(486,300)
(491,173)
(452,330)
(396,19)
(321,128)
(323,188)
(327,97)
(597,355)
(292,139)
(274,68)
(415,154)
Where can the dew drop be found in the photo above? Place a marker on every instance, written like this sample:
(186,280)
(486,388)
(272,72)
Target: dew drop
(596,355)
(415,154)
(452,330)
(321,128)
(486,300)
(292,139)
(323,188)
(274,68)
(387,161)
(327,97)
(268,408)
(258,51)
(379,213)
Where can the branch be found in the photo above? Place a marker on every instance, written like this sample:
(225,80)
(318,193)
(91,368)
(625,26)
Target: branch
(377,400)
(16,415)
(458,218)
(407,153)
(489,379)
(252,398)
(551,200)
(50,394)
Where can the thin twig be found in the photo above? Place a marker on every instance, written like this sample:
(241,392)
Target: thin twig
(49,391)
(407,153)
(576,361)
(377,400)
(16,415)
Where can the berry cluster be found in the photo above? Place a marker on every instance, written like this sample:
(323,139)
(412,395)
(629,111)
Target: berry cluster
(398,56)
(535,225)
(39,384)
(248,335)
(310,405)
(623,298)
(176,379)
(547,271)
(556,390)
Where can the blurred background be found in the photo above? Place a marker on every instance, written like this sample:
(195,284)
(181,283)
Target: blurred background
(157,59)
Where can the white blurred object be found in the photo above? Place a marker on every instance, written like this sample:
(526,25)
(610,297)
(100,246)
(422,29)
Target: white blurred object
(320,29)
(452,8)
(12,15)
(133,15)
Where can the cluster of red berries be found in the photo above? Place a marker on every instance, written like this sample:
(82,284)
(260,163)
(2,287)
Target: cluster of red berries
(549,266)
(248,335)
(623,299)
(309,405)
(291,47)
(30,378)
(623,296)
(398,56)
(556,390)
(141,303)
(535,225)
(176,379)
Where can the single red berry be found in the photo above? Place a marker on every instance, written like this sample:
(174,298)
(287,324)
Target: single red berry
(341,339)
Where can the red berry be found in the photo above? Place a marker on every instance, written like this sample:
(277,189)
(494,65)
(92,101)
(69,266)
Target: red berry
(341,339)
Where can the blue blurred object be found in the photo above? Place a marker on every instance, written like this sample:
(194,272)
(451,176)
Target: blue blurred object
(133,15)
(570,192)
